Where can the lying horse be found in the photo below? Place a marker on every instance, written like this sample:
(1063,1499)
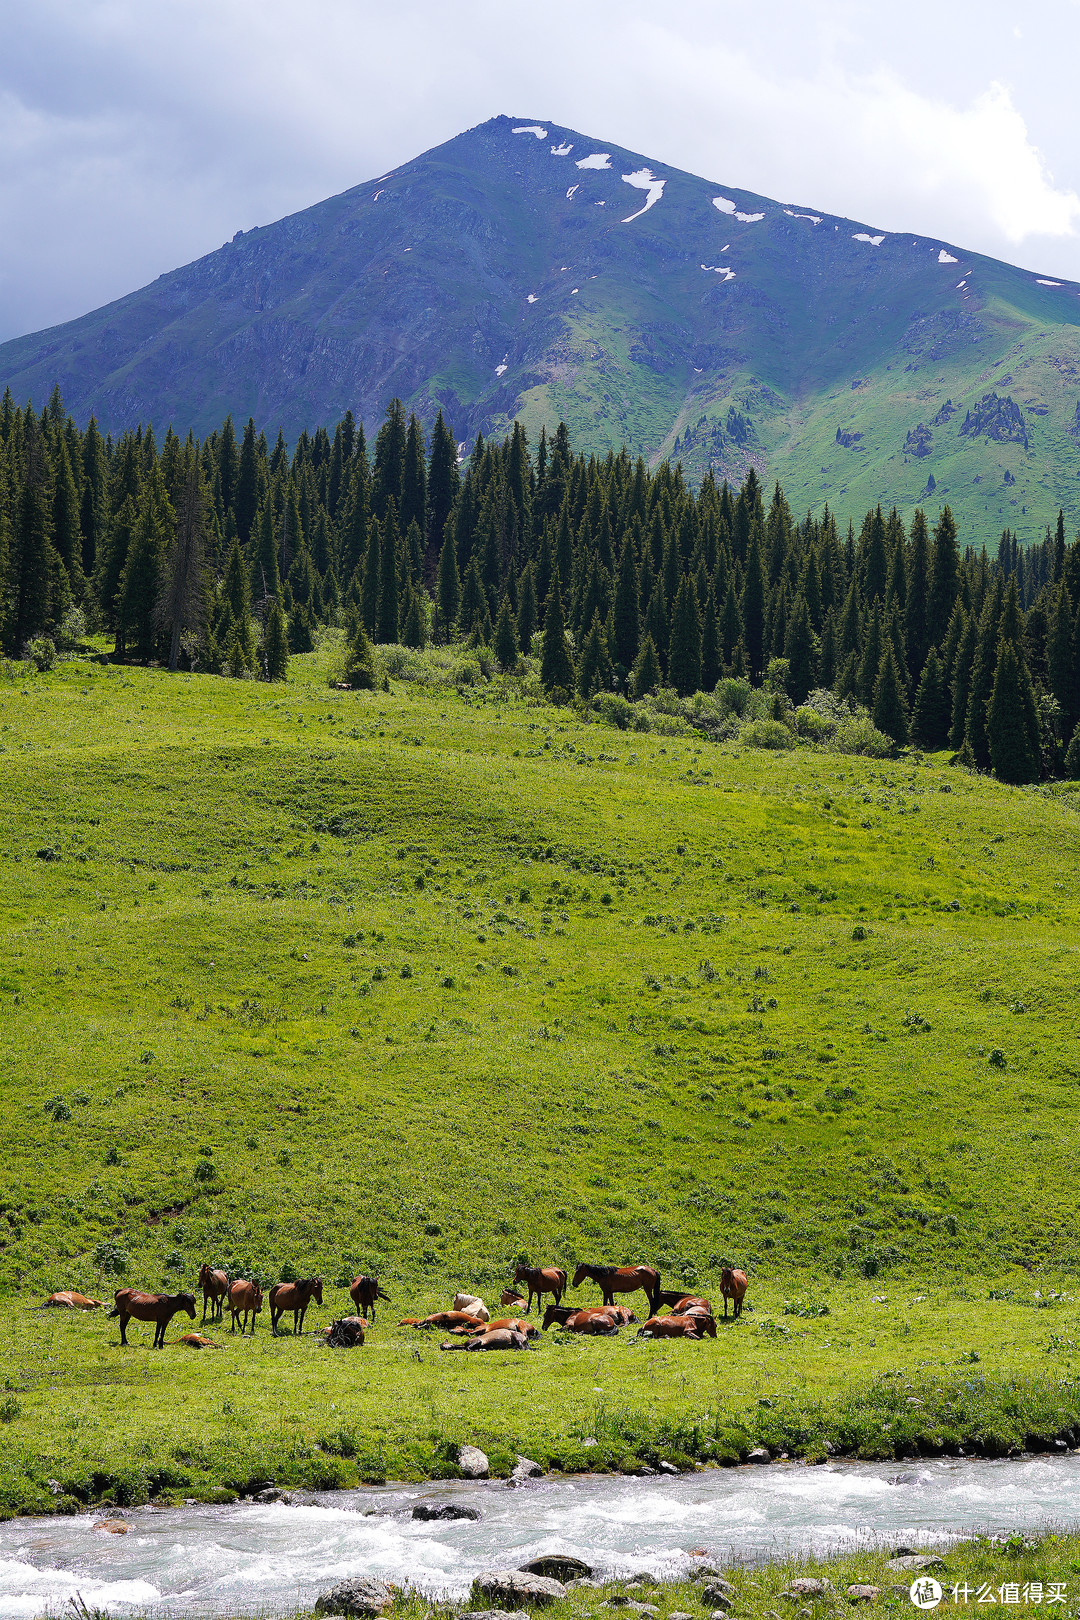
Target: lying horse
(70,1301)
(491,1339)
(443,1319)
(244,1298)
(215,1291)
(157,1308)
(197,1341)
(295,1297)
(364,1292)
(589,1319)
(678,1327)
(516,1324)
(472,1305)
(621,1280)
(541,1280)
(512,1300)
(347,1333)
(733,1287)
(673,1298)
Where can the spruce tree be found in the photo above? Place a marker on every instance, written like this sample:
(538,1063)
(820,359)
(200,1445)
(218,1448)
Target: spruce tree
(301,631)
(414,628)
(827,656)
(595,672)
(1011,753)
(930,720)
(265,577)
(1059,655)
(753,607)
(731,625)
(360,671)
(982,677)
(443,483)
(556,667)
(944,578)
(1072,756)
(181,603)
(961,685)
(386,624)
(710,646)
(626,608)
(890,703)
(275,644)
(870,662)
(449,587)
(799,650)
(684,648)
(645,676)
(505,642)
(473,601)
(526,615)
(31,566)
(141,582)
(918,591)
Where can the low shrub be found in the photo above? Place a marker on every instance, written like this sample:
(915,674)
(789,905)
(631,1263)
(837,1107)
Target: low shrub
(767,734)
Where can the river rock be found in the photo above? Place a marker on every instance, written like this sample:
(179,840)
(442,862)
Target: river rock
(444,1510)
(718,1595)
(760,1454)
(510,1588)
(666,1468)
(915,1561)
(115,1527)
(678,1614)
(631,1604)
(584,1584)
(473,1462)
(364,1598)
(863,1594)
(710,1573)
(807,1586)
(525,1469)
(558,1567)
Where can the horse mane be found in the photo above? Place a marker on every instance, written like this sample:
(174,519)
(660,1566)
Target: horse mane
(603,1271)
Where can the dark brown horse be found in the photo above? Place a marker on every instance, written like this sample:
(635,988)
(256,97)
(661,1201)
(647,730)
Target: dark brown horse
(590,1319)
(678,1327)
(215,1291)
(621,1280)
(295,1297)
(733,1287)
(157,1308)
(365,1291)
(245,1298)
(541,1280)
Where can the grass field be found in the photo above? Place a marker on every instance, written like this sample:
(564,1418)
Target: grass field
(421,982)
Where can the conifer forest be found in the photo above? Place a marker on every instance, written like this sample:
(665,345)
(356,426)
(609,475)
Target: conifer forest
(226,555)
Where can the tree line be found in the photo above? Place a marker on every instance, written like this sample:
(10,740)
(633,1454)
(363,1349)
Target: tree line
(226,554)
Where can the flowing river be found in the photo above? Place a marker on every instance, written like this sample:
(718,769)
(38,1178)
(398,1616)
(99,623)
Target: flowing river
(255,1559)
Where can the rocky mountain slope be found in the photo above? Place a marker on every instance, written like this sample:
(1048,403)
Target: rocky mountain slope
(525,270)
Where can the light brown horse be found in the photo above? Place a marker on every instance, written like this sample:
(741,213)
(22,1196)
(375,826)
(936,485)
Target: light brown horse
(512,1300)
(295,1297)
(678,1327)
(516,1324)
(364,1292)
(621,1280)
(541,1280)
(443,1319)
(215,1291)
(157,1308)
(490,1339)
(245,1298)
(733,1287)
(68,1300)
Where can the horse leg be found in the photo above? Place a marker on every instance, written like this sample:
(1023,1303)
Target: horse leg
(205,1303)
(123,1328)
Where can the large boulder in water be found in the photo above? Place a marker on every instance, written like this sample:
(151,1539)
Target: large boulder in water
(514,1589)
(473,1462)
(427,1511)
(364,1598)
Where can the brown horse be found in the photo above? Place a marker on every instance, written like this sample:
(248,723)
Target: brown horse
(364,1292)
(245,1298)
(157,1308)
(733,1287)
(621,1280)
(590,1319)
(512,1300)
(215,1291)
(443,1319)
(295,1297)
(541,1280)
(70,1301)
(516,1324)
(678,1327)
(491,1339)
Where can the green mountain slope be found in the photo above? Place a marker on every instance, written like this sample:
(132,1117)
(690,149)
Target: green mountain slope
(525,270)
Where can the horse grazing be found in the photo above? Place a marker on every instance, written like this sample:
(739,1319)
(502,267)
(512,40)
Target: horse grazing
(621,1280)
(364,1292)
(295,1297)
(215,1291)
(541,1280)
(244,1298)
(733,1287)
(157,1308)
(70,1301)
(677,1327)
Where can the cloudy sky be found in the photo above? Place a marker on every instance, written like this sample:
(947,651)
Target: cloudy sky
(138,134)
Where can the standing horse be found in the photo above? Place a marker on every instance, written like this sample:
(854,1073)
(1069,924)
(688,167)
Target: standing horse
(157,1308)
(365,1291)
(621,1280)
(295,1297)
(244,1298)
(215,1291)
(733,1287)
(541,1280)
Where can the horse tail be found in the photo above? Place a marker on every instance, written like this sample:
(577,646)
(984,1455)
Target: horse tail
(380,1293)
(654,1302)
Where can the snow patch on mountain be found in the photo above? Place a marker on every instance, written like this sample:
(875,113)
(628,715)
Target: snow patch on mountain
(815,219)
(646,181)
(595,160)
(1042,281)
(570,193)
(562,151)
(720,270)
(532,298)
(531,129)
(725,205)
(947,258)
(864,236)
(749,219)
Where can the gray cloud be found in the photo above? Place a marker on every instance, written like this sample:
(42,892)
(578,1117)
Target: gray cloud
(138,136)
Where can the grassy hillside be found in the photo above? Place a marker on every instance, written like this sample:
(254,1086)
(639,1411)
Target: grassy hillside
(436,980)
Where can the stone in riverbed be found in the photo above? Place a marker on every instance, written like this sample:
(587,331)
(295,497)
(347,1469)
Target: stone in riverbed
(511,1588)
(807,1586)
(863,1594)
(760,1454)
(428,1511)
(915,1561)
(473,1462)
(363,1598)
(558,1567)
(709,1572)
(525,1469)
(718,1595)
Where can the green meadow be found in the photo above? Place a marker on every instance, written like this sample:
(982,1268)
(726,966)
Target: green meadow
(423,981)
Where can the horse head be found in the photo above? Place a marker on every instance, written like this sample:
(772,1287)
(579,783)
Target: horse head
(256,1297)
(316,1289)
(520,1272)
(204,1274)
(580,1275)
(186,1302)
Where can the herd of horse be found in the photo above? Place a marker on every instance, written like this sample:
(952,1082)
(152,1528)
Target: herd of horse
(690,1316)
